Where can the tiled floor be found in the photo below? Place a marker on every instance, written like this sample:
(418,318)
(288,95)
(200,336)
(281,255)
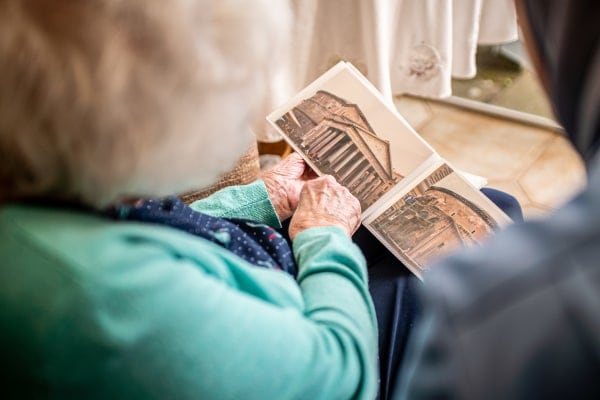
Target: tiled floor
(536,165)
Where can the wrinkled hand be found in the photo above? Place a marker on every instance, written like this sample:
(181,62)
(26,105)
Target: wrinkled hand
(324,202)
(284,182)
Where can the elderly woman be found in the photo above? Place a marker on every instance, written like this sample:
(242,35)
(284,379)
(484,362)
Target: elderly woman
(104,101)
(108,288)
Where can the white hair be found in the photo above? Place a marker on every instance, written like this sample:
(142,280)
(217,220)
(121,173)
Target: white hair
(107,99)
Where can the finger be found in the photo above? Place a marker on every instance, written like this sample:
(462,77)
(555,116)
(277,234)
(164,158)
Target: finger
(293,165)
(308,173)
(329,179)
(294,157)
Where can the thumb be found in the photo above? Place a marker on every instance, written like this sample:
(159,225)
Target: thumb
(293,165)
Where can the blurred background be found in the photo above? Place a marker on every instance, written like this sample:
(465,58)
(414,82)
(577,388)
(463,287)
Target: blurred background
(457,71)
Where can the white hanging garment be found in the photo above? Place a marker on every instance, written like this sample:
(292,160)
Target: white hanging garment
(402,46)
(421,43)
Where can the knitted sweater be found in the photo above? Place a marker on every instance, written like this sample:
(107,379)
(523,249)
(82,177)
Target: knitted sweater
(94,308)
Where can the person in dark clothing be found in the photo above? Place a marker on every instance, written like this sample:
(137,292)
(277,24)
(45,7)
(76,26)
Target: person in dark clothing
(519,318)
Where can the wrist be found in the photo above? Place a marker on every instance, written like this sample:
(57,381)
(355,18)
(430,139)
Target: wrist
(278,197)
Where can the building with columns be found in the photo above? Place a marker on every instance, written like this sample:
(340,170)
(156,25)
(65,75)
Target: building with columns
(427,226)
(339,140)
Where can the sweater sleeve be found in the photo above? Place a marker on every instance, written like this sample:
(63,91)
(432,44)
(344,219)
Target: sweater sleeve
(333,279)
(205,324)
(249,201)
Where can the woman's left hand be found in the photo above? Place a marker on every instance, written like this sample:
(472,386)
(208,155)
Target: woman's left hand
(284,182)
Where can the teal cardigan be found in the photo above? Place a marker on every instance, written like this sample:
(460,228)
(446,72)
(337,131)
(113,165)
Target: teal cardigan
(90,307)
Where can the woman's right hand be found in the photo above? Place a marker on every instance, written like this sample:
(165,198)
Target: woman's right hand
(324,202)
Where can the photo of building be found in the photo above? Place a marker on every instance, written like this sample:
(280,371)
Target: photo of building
(427,223)
(335,135)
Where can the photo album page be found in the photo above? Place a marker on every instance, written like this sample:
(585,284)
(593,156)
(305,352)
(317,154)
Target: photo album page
(412,200)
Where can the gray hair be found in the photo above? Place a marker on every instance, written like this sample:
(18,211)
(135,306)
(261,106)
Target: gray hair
(107,99)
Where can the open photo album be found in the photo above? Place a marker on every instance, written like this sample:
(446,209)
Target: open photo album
(412,200)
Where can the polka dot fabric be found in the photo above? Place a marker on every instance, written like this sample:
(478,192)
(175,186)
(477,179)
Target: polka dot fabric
(257,243)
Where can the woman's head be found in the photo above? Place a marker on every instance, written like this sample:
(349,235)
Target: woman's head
(105,99)
(563,38)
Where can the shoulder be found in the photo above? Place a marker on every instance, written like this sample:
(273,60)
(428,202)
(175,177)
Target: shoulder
(555,256)
(98,256)
(84,245)
(523,306)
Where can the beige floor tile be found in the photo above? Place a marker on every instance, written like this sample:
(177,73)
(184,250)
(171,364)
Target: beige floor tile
(494,148)
(536,165)
(534,211)
(555,176)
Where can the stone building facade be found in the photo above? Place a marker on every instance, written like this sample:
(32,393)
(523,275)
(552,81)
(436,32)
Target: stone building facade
(428,226)
(339,140)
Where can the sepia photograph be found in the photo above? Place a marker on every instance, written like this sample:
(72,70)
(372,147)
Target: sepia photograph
(440,214)
(344,129)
